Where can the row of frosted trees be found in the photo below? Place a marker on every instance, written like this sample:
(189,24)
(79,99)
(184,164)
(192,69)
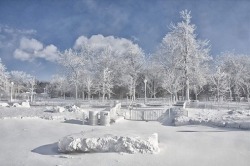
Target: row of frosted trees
(16,84)
(110,67)
(181,65)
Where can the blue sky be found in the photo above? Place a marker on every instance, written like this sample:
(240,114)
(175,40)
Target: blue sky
(44,26)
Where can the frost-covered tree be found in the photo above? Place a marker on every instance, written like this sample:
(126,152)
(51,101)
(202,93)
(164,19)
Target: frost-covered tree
(237,67)
(218,83)
(106,68)
(31,82)
(108,62)
(188,54)
(132,62)
(60,84)
(154,74)
(73,62)
(20,80)
(99,68)
(4,78)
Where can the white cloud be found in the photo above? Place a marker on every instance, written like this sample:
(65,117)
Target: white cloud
(22,55)
(30,45)
(30,49)
(50,53)
(80,41)
(99,42)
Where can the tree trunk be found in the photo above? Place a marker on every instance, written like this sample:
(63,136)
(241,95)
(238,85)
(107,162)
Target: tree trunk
(103,91)
(134,89)
(89,94)
(76,88)
(247,94)
(154,89)
(31,97)
(230,94)
(83,95)
(109,95)
(187,89)
(175,96)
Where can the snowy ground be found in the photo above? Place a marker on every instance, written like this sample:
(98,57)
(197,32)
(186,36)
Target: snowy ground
(29,137)
(33,142)
(234,118)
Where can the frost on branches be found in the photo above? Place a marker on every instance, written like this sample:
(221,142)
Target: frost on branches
(183,57)
(99,63)
(4,83)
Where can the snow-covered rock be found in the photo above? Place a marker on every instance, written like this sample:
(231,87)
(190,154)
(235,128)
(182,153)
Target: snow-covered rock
(181,120)
(26,104)
(115,110)
(108,143)
(73,108)
(4,105)
(16,105)
(59,109)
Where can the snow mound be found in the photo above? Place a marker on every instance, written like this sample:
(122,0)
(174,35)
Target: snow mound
(239,119)
(16,105)
(173,115)
(4,105)
(73,108)
(181,120)
(108,143)
(60,109)
(25,104)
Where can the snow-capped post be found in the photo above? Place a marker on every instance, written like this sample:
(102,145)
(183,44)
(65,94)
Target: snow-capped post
(145,83)
(11,91)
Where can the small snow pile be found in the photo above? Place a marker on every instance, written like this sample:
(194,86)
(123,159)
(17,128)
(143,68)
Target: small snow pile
(73,108)
(239,119)
(109,143)
(61,109)
(4,105)
(174,115)
(115,109)
(181,120)
(56,109)
(16,105)
(25,104)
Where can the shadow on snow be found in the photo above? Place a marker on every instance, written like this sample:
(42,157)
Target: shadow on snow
(49,149)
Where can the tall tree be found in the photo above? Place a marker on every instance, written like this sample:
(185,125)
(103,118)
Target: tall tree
(237,67)
(20,80)
(153,74)
(186,52)
(60,84)
(73,61)
(4,78)
(218,82)
(133,61)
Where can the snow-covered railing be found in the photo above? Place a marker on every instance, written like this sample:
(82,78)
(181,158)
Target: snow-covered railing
(145,114)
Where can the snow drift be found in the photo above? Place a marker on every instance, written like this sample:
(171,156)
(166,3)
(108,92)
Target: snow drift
(108,143)
(239,119)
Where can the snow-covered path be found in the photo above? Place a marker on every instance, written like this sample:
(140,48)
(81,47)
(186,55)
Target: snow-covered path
(32,142)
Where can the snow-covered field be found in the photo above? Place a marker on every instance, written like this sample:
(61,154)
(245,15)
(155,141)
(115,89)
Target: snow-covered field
(30,136)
